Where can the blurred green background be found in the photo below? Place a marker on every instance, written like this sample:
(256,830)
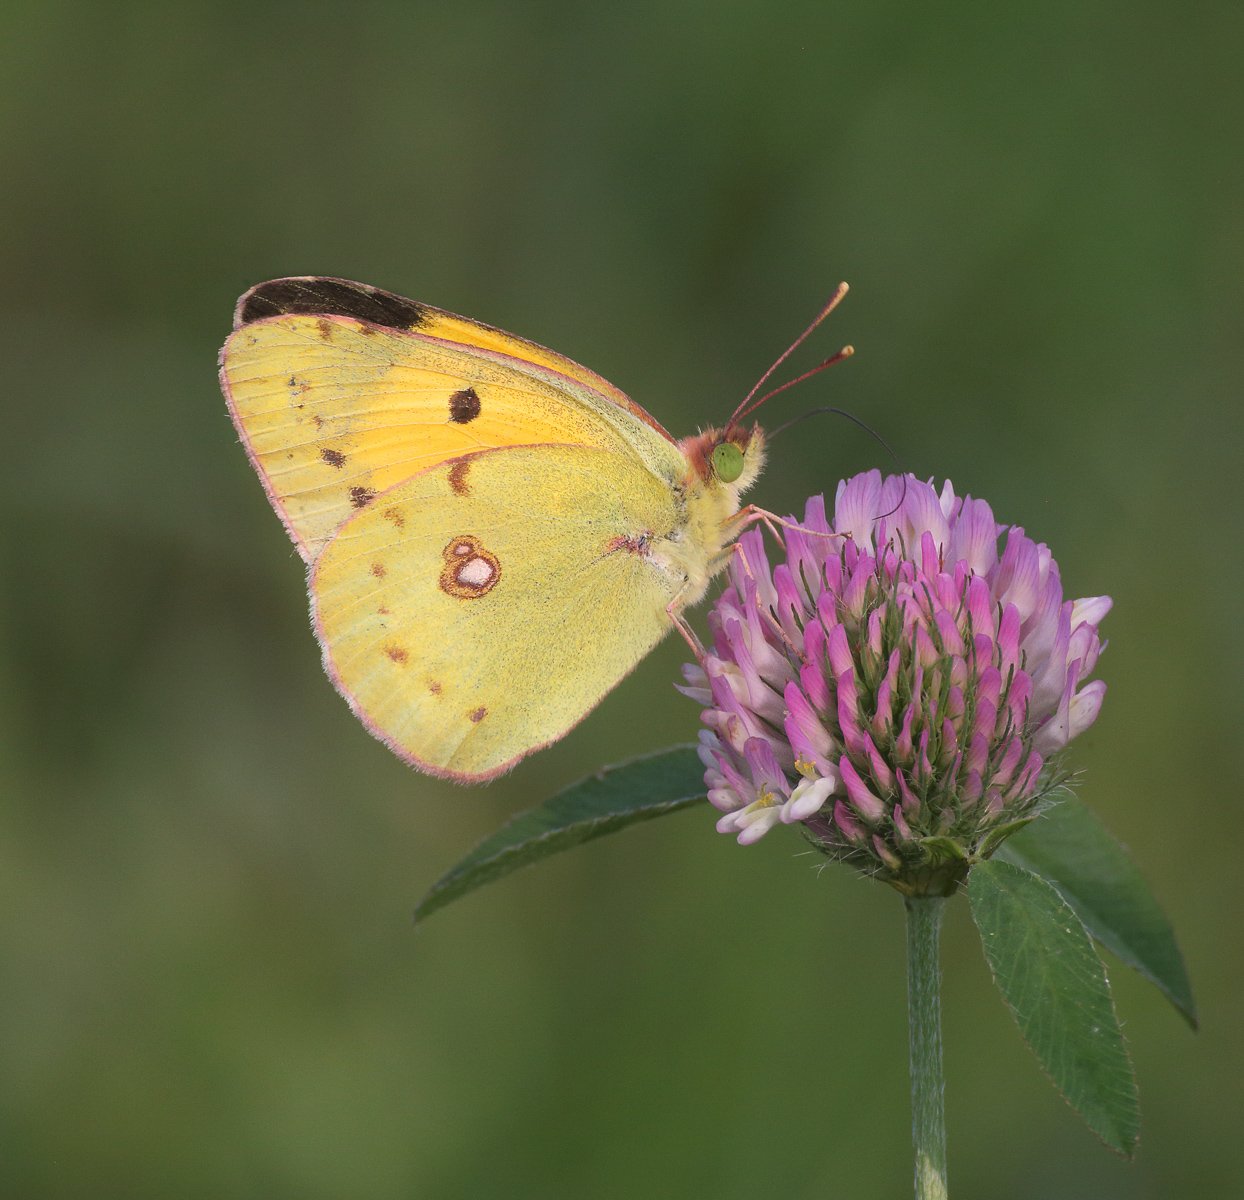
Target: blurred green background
(209,984)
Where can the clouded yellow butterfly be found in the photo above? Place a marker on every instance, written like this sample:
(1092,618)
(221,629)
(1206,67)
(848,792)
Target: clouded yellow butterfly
(494,535)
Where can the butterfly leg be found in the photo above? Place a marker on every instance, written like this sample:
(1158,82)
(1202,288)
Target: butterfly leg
(673,610)
(749,514)
(688,634)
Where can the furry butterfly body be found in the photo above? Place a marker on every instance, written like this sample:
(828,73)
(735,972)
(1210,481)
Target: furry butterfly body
(494,535)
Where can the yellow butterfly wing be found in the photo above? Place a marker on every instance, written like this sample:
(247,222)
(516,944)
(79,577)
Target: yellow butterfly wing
(340,391)
(476,612)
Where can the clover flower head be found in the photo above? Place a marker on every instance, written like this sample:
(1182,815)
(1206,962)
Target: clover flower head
(895,684)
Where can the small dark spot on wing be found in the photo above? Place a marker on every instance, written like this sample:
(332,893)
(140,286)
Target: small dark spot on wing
(361,497)
(478,714)
(334,458)
(464,406)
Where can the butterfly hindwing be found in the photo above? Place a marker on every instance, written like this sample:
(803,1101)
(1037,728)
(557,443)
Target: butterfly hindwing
(466,629)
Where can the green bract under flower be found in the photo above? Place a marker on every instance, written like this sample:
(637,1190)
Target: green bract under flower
(894,685)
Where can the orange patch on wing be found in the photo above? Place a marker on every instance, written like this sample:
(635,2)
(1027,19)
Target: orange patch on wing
(434,687)
(397,654)
(470,571)
(638,545)
(379,570)
(458,477)
(396,516)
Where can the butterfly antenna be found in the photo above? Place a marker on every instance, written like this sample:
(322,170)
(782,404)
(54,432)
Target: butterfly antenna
(747,406)
(845,352)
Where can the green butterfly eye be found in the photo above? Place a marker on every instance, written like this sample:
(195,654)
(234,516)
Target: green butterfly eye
(727,461)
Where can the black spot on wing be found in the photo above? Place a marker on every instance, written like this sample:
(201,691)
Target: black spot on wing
(321,296)
(464,406)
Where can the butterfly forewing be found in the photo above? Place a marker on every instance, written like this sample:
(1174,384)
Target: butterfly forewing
(335,410)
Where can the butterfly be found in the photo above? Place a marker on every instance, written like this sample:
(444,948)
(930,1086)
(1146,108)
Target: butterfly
(494,535)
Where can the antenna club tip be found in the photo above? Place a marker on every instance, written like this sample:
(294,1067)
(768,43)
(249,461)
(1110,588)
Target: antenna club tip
(846,351)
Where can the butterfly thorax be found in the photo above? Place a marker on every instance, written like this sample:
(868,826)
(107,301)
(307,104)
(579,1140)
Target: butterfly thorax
(696,548)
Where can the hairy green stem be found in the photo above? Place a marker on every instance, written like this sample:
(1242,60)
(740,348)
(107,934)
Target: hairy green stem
(924,1016)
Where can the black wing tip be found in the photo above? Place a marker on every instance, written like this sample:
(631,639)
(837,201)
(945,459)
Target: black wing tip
(326,296)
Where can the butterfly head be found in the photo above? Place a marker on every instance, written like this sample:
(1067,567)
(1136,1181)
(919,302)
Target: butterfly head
(731,458)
